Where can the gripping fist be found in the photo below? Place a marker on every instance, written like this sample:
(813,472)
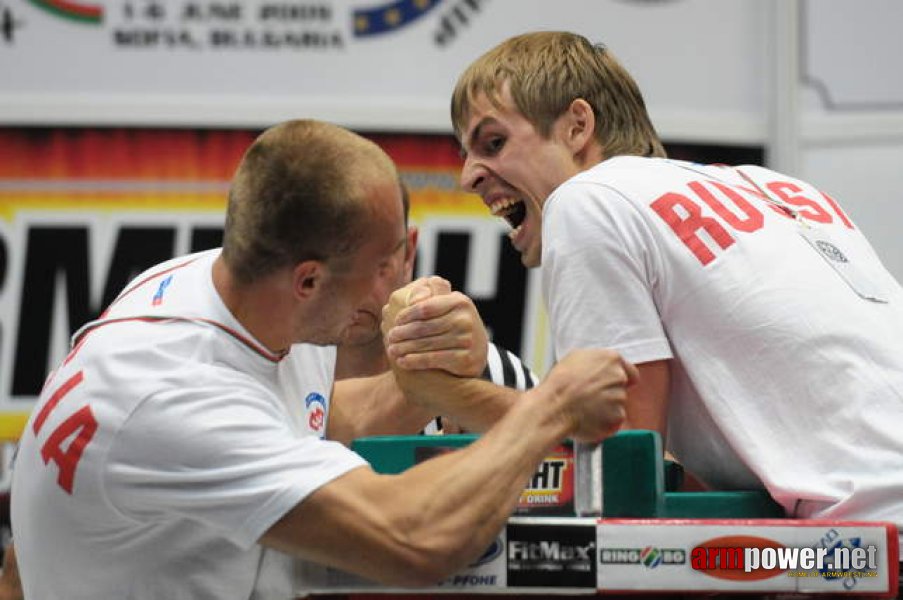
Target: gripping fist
(590,387)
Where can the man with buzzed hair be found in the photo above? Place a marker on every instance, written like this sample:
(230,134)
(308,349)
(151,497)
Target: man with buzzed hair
(768,335)
(261,232)
(363,351)
(185,431)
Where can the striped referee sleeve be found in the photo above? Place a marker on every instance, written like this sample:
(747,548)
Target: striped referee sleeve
(504,368)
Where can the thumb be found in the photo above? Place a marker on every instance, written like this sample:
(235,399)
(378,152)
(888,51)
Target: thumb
(633,374)
(418,293)
(438,285)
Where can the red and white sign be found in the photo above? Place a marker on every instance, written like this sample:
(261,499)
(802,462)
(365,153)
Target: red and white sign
(768,556)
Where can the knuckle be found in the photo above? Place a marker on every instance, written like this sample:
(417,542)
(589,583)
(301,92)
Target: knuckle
(411,330)
(415,311)
(610,354)
(459,299)
(400,333)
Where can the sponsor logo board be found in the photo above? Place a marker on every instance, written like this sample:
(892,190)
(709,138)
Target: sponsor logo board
(719,556)
(555,555)
(551,489)
(487,571)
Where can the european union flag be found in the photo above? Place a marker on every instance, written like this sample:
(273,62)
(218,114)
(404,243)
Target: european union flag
(389,17)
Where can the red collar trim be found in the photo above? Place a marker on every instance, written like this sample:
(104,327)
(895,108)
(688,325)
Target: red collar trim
(273,357)
(143,281)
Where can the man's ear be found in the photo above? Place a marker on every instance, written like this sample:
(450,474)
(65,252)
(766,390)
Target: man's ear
(579,124)
(307,278)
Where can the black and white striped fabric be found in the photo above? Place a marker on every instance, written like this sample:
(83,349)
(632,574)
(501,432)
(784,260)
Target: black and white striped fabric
(502,368)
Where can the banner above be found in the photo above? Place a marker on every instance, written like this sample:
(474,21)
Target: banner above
(384,65)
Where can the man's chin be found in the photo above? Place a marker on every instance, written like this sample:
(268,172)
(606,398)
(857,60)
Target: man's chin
(530,256)
(529,260)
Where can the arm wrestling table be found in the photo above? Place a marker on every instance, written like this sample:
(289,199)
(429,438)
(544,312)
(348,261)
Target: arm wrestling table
(650,539)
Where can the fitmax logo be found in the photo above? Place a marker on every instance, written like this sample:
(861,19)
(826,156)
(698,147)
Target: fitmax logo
(554,551)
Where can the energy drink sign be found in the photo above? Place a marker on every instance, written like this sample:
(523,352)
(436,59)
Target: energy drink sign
(82,211)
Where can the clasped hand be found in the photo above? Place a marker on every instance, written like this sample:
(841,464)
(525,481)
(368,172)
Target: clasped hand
(428,326)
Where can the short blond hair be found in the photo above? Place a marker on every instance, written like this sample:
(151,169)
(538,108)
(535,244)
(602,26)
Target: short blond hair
(298,194)
(546,71)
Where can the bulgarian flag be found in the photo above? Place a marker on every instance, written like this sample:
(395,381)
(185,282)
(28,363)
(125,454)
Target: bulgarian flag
(77,11)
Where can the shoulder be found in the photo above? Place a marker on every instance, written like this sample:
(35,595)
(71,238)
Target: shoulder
(613,187)
(171,372)
(147,348)
(169,266)
(621,172)
(200,414)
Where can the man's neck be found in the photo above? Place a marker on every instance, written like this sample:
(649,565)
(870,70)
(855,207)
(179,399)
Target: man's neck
(259,307)
(361,360)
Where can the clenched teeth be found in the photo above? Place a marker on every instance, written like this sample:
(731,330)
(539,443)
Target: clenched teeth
(503,207)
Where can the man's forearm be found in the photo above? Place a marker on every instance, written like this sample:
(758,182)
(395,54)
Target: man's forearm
(372,406)
(419,526)
(474,403)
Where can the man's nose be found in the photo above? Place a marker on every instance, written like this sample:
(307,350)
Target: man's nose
(473,174)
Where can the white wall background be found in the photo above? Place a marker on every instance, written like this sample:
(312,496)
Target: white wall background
(850,115)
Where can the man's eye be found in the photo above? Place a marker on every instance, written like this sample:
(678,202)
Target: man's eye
(494,144)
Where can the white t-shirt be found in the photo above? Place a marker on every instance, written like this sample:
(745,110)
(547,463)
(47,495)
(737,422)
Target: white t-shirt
(782,374)
(165,445)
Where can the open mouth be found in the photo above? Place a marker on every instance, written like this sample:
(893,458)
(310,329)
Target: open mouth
(512,210)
